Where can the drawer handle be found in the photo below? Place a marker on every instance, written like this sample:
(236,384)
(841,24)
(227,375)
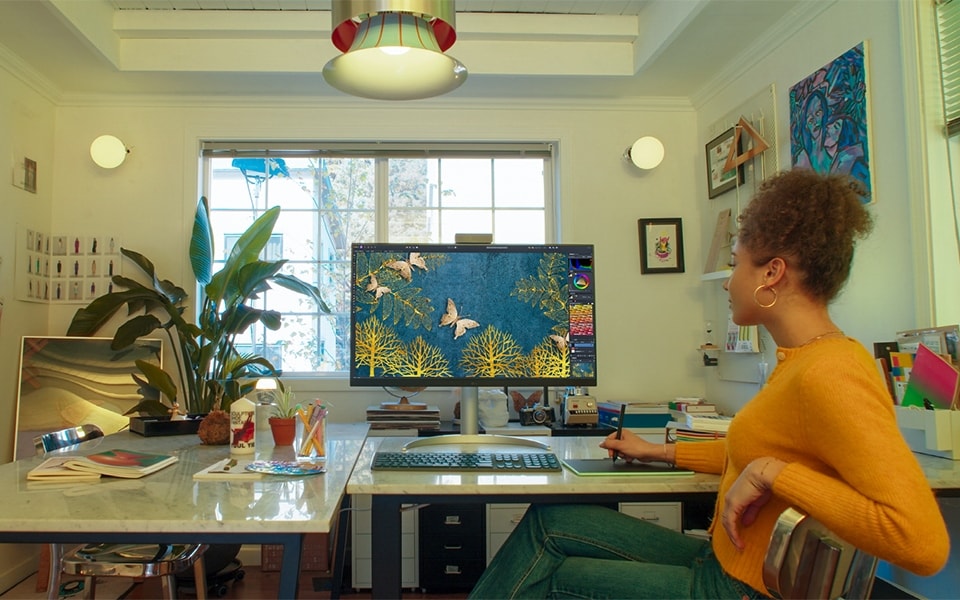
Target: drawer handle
(452,520)
(451,570)
(456,547)
(650,518)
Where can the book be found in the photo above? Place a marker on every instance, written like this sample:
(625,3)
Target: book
(707,422)
(129,464)
(605,466)
(228,469)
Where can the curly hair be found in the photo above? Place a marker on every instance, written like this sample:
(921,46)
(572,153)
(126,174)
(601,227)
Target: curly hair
(810,220)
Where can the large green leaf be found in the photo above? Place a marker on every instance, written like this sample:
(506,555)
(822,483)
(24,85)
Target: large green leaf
(201,244)
(302,287)
(158,378)
(246,250)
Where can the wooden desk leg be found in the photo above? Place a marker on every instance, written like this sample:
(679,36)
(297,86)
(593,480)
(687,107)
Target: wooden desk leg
(290,567)
(385,553)
(340,548)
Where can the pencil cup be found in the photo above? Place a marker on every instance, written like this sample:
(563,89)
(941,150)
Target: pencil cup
(312,440)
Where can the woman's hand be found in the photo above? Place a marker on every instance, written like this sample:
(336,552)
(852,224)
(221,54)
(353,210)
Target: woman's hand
(747,495)
(632,447)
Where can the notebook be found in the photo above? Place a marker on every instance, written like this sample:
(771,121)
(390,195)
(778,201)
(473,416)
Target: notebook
(606,467)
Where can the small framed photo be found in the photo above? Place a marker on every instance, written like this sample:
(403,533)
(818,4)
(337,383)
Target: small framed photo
(30,175)
(718,149)
(661,245)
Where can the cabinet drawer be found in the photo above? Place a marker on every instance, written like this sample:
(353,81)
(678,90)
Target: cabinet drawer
(455,545)
(665,514)
(503,518)
(450,574)
(445,518)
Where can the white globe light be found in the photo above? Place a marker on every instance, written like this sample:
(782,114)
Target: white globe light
(646,153)
(108,151)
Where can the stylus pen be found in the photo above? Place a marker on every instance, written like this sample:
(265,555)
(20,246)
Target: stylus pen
(623,411)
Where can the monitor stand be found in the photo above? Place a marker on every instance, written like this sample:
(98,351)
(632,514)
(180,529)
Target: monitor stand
(470,429)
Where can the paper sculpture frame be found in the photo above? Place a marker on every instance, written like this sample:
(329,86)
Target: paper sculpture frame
(717,151)
(661,245)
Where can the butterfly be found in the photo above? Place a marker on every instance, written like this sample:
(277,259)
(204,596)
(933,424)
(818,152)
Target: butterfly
(560,341)
(405,267)
(519,401)
(452,318)
(375,287)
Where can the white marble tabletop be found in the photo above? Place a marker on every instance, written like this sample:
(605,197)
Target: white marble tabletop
(365,481)
(170,501)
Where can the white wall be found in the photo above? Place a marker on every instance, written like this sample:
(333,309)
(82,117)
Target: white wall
(27,122)
(648,326)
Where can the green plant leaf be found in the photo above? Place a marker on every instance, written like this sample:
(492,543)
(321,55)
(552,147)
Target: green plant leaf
(158,378)
(298,285)
(201,244)
(134,329)
(246,250)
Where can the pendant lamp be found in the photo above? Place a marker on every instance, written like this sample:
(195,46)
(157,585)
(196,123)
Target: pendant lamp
(394,49)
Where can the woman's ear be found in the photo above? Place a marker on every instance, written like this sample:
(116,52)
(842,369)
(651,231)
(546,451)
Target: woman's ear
(775,271)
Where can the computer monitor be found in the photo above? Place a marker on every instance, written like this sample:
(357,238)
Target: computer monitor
(428,315)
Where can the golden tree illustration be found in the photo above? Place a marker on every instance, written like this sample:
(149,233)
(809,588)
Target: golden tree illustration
(547,359)
(376,345)
(420,359)
(493,353)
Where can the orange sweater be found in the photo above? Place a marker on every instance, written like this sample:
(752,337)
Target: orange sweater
(827,413)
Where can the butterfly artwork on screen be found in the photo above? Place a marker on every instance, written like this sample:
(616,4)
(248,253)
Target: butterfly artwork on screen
(405,267)
(453,319)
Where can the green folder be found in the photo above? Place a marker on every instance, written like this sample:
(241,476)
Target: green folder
(592,467)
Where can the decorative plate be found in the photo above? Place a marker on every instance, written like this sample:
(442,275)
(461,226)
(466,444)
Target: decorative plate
(287,467)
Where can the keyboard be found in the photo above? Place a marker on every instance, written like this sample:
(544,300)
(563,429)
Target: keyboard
(466,461)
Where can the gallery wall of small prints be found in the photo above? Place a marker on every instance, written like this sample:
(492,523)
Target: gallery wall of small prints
(70,268)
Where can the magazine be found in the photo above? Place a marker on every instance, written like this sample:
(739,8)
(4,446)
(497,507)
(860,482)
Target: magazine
(129,464)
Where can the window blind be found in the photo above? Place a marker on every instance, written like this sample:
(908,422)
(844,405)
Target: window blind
(948,29)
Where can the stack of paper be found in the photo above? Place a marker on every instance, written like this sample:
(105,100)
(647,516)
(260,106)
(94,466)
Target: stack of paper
(699,422)
(386,418)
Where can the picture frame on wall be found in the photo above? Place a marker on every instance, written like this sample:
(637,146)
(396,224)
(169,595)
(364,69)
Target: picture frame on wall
(661,245)
(717,150)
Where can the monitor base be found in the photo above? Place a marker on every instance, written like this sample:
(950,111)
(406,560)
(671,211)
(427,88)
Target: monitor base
(474,439)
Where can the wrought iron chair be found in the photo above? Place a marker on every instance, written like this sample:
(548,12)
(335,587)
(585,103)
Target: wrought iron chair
(116,560)
(806,560)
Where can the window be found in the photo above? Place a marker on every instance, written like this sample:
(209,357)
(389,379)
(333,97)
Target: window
(334,195)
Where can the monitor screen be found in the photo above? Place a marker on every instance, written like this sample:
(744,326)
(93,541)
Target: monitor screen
(473,315)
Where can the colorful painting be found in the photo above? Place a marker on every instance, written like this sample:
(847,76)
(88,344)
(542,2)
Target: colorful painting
(828,119)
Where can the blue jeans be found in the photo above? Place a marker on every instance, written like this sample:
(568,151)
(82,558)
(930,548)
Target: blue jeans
(585,551)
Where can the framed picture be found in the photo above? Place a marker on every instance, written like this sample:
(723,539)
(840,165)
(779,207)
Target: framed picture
(661,245)
(718,149)
(69,381)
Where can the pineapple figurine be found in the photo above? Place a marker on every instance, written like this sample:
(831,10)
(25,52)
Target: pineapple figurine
(215,428)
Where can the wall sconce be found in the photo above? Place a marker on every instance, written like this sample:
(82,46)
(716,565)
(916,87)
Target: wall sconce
(645,153)
(108,151)
(394,49)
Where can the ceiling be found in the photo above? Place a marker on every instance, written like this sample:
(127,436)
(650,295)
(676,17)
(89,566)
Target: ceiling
(558,49)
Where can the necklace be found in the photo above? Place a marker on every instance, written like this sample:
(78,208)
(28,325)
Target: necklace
(822,335)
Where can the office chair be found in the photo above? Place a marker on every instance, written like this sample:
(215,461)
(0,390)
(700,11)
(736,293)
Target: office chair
(116,560)
(806,560)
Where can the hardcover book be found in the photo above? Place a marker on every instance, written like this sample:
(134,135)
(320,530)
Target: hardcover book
(128,464)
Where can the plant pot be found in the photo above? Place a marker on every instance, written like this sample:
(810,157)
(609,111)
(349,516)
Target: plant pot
(284,430)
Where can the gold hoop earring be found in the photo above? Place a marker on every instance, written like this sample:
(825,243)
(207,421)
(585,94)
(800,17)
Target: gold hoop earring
(757,300)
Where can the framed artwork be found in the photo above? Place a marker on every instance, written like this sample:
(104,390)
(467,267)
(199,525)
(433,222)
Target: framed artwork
(661,245)
(829,118)
(30,175)
(718,149)
(70,381)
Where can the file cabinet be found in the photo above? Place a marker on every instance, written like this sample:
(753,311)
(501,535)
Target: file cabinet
(361,567)
(452,546)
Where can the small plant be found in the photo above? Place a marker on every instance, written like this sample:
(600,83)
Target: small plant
(284,405)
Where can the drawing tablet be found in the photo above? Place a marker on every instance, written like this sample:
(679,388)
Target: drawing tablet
(606,467)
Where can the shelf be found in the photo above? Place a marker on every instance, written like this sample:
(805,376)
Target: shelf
(715,275)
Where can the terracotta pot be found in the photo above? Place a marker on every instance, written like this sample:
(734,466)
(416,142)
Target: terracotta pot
(284,430)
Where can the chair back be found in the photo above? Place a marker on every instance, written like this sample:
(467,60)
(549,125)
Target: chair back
(806,560)
(70,436)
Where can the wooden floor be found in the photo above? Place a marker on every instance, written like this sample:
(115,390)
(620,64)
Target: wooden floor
(255,585)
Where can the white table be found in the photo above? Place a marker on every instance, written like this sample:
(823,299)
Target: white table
(390,489)
(169,506)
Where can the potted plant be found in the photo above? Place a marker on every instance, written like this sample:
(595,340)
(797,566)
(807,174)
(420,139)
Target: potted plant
(283,417)
(210,371)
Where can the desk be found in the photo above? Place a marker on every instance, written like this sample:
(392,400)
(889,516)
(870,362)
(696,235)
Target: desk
(391,489)
(169,506)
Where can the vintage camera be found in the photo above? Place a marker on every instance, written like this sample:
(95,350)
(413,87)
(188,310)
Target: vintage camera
(536,415)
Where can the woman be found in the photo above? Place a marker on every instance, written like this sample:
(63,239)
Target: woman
(820,436)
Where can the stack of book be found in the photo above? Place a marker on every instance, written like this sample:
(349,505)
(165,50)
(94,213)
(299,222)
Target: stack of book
(637,415)
(679,409)
(425,419)
(696,421)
